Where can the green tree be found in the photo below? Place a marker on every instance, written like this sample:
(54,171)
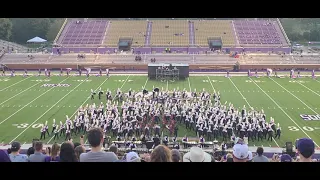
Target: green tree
(5,28)
(54,29)
(24,29)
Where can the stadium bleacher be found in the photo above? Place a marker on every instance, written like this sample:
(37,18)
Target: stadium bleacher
(82,33)
(257,32)
(167,33)
(134,30)
(217,28)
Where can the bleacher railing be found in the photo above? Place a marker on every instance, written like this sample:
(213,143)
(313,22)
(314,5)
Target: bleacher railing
(283,32)
(60,31)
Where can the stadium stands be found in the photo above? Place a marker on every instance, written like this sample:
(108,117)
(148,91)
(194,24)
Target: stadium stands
(81,33)
(134,30)
(16,47)
(170,33)
(182,36)
(258,32)
(215,28)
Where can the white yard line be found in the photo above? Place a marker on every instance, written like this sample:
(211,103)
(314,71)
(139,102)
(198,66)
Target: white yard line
(249,105)
(294,96)
(81,105)
(16,83)
(240,92)
(214,90)
(125,82)
(189,84)
(46,111)
(167,85)
(146,83)
(19,93)
(283,111)
(308,88)
(30,102)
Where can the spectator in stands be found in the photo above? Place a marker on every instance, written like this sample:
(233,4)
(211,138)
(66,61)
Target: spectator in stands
(240,152)
(306,149)
(250,156)
(285,158)
(275,158)
(38,156)
(175,155)
(76,144)
(196,154)
(260,157)
(229,157)
(4,157)
(133,157)
(95,138)
(15,155)
(8,150)
(67,153)
(54,156)
(30,151)
(161,154)
(79,150)
(114,149)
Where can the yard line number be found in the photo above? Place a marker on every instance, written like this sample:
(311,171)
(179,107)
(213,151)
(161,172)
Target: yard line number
(206,81)
(257,81)
(25,125)
(306,128)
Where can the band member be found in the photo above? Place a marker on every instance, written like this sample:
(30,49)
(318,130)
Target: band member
(185,142)
(228,73)
(12,73)
(313,74)
(45,72)
(47,127)
(165,140)
(80,72)
(256,73)
(39,72)
(56,132)
(298,73)
(3,71)
(61,72)
(201,141)
(49,73)
(291,73)
(88,73)
(43,132)
(54,126)
(107,73)
(68,134)
(100,72)
(270,133)
(92,94)
(249,73)
(278,132)
(100,93)
(25,73)
(68,71)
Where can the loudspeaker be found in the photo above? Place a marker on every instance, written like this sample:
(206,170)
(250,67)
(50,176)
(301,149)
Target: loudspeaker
(289,147)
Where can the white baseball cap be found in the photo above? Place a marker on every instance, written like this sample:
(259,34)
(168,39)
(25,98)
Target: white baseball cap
(132,157)
(241,151)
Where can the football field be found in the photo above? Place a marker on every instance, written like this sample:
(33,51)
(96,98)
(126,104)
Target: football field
(26,103)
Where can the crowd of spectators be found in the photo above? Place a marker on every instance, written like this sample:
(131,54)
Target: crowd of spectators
(76,152)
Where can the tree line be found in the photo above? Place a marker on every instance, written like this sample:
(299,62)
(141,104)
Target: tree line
(20,30)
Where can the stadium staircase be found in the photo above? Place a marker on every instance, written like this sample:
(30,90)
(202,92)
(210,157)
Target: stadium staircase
(62,32)
(191,34)
(283,32)
(148,34)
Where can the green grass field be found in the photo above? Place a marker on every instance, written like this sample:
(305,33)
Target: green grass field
(25,105)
